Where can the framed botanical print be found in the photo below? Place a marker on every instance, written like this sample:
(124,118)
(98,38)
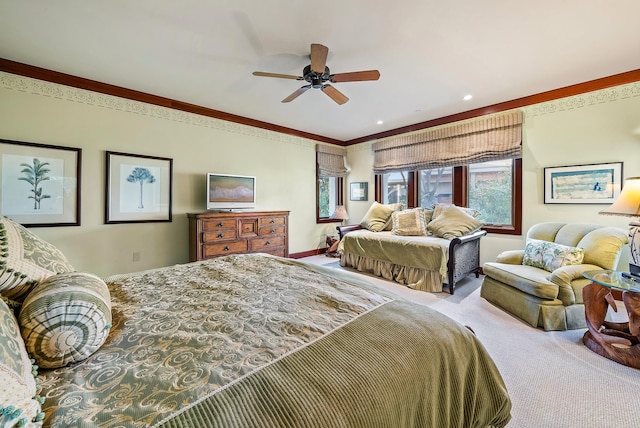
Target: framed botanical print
(40,183)
(139,188)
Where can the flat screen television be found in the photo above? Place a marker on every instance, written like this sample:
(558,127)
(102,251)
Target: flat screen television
(230,192)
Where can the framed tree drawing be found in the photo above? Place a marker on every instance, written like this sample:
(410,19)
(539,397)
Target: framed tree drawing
(139,188)
(40,183)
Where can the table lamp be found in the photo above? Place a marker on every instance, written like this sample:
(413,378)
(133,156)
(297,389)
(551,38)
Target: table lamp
(340,213)
(628,204)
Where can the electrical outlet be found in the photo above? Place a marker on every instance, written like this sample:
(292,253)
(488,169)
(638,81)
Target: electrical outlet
(136,256)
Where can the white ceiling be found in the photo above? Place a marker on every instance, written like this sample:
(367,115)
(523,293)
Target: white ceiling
(430,53)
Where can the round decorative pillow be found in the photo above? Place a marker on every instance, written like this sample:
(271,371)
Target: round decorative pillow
(66,318)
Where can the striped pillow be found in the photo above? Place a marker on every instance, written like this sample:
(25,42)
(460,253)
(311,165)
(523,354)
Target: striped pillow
(25,259)
(18,388)
(66,318)
(409,222)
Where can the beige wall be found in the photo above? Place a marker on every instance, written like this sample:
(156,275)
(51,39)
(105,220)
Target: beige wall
(40,112)
(601,126)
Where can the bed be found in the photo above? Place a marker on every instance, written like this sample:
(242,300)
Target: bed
(258,340)
(420,248)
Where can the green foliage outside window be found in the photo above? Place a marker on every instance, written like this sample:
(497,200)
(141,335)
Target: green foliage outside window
(323,183)
(492,198)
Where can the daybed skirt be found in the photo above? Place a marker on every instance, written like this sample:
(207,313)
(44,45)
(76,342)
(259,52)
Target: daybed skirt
(416,278)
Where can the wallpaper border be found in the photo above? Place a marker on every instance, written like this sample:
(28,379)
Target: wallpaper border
(83,96)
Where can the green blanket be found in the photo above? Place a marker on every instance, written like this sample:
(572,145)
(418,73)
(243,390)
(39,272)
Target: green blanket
(256,340)
(424,252)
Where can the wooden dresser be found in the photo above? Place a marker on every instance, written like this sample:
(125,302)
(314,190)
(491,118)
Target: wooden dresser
(214,234)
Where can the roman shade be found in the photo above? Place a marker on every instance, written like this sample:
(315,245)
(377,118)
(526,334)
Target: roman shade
(331,161)
(493,137)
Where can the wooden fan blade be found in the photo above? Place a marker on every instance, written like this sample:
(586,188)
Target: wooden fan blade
(296,94)
(318,57)
(334,94)
(280,76)
(356,76)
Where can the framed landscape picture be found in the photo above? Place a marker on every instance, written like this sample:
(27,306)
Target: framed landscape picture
(40,183)
(139,188)
(583,184)
(358,191)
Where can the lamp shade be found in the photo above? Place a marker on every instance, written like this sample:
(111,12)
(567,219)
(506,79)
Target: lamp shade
(340,213)
(628,202)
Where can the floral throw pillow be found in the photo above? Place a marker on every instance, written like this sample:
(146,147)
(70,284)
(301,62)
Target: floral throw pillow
(549,255)
(25,259)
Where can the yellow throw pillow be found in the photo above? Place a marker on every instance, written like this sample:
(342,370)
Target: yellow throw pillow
(378,216)
(452,222)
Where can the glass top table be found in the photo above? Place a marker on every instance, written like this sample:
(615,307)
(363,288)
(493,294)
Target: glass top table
(614,279)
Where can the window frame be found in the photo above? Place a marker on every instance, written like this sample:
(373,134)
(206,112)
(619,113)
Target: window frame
(460,188)
(339,198)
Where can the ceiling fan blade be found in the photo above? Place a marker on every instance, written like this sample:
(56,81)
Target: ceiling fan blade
(280,76)
(296,94)
(356,76)
(334,94)
(318,57)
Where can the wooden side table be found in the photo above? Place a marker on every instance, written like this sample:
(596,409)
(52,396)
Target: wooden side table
(619,342)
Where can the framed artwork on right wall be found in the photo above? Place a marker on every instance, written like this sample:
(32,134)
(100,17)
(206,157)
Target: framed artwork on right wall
(583,184)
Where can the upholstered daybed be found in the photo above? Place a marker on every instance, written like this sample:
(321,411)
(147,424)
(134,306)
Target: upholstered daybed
(422,249)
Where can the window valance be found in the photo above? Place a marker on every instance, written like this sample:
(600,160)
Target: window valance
(331,162)
(492,137)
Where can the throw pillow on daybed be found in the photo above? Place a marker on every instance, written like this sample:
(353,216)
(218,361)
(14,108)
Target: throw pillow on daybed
(549,255)
(451,221)
(409,222)
(21,406)
(25,259)
(66,318)
(378,217)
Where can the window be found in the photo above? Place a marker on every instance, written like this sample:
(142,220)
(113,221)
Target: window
(396,187)
(490,190)
(329,197)
(493,188)
(435,186)
(330,170)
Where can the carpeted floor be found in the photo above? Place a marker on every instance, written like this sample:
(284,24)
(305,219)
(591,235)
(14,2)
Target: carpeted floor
(552,378)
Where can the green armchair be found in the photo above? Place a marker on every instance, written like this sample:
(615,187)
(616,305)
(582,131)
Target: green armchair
(542,284)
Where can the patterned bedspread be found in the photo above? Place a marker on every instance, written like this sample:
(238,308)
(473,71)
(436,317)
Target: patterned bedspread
(256,340)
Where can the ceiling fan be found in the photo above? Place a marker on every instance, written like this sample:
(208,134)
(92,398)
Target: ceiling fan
(317,74)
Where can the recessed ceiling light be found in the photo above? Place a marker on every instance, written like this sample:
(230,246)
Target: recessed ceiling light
(379,122)
(467,97)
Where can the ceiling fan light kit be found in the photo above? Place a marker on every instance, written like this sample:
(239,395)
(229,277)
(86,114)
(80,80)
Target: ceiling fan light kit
(317,74)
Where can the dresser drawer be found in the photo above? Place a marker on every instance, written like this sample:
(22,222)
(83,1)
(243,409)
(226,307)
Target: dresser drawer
(265,244)
(214,224)
(277,252)
(214,250)
(219,235)
(273,230)
(271,221)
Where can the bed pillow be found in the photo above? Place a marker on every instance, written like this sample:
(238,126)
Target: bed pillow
(409,222)
(378,217)
(440,207)
(18,387)
(66,318)
(451,222)
(25,259)
(549,255)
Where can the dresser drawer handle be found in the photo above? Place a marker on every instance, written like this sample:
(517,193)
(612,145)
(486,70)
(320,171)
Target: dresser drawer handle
(220,235)
(226,248)
(220,224)
(272,221)
(273,231)
(267,243)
